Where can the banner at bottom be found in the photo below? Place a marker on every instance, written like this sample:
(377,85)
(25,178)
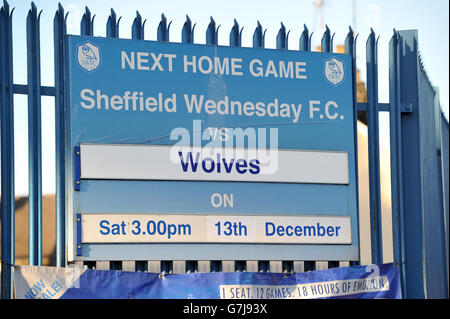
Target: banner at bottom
(368,282)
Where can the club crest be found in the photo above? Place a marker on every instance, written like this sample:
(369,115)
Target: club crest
(88,56)
(334,71)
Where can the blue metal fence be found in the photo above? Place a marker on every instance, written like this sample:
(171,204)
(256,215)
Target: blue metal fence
(419,147)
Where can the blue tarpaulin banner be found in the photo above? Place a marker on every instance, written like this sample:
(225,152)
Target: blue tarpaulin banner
(367,282)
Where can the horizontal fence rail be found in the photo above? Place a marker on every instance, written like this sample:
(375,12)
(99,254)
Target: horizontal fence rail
(397,107)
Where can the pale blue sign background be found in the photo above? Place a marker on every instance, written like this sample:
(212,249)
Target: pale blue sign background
(144,127)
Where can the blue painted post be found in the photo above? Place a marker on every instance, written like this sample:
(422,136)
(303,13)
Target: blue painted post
(259,37)
(34,138)
(325,47)
(59,31)
(7,151)
(412,233)
(374,151)
(350,48)
(398,217)
(431,211)
(419,237)
(444,166)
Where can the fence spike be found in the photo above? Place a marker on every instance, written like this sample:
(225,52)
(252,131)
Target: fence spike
(235,35)
(304,44)
(212,33)
(112,26)
(282,38)
(331,42)
(87,23)
(187,33)
(325,45)
(163,29)
(6,6)
(137,28)
(259,36)
(349,43)
(33,7)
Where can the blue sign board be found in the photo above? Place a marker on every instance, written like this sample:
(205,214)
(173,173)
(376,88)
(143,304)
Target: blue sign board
(194,152)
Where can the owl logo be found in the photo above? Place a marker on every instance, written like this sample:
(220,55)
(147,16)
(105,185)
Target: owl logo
(334,71)
(88,56)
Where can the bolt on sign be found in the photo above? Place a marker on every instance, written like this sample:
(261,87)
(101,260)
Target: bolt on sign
(184,151)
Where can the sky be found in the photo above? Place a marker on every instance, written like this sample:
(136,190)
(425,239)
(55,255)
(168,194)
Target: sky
(430,18)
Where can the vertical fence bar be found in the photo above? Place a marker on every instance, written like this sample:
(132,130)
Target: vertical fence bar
(187,33)
(34,138)
(374,149)
(212,33)
(87,23)
(411,168)
(7,150)
(326,41)
(350,48)
(442,166)
(396,159)
(59,32)
(282,38)
(258,36)
(163,29)
(304,42)
(236,35)
(137,28)
(112,25)
(325,44)
(423,221)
